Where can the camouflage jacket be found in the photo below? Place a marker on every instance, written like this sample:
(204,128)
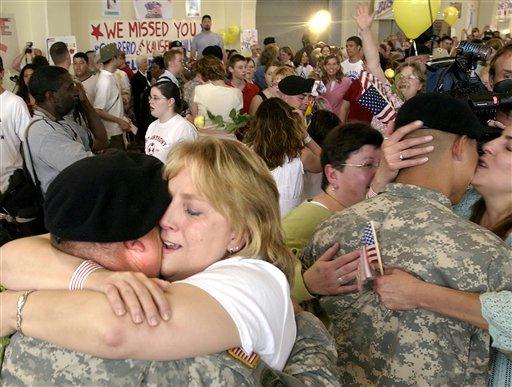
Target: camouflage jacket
(418,232)
(37,363)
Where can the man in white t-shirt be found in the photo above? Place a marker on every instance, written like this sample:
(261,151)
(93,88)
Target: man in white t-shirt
(14,118)
(84,75)
(354,64)
(108,101)
(205,39)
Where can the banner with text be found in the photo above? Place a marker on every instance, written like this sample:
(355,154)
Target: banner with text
(141,37)
(8,44)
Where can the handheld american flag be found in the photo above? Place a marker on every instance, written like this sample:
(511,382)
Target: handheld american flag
(374,99)
(370,246)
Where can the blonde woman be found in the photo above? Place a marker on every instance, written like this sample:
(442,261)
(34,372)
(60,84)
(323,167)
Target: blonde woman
(214,246)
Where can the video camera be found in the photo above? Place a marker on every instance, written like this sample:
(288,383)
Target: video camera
(458,77)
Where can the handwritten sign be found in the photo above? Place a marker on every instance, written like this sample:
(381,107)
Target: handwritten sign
(141,37)
(8,39)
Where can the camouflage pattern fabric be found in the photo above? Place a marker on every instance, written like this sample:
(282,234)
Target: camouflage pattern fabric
(418,232)
(34,362)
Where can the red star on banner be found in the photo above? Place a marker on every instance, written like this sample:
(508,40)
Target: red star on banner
(96,31)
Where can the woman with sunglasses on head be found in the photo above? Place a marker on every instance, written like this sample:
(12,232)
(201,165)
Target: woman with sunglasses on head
(170,127)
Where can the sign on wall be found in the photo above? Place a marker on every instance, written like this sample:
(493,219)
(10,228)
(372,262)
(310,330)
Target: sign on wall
(141,37)
(248,38)
(8,41)
(111,8)
(193,8)
(383,9)
(69,40)
(153,9)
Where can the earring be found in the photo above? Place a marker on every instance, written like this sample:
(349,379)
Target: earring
(233,249)
(334,189)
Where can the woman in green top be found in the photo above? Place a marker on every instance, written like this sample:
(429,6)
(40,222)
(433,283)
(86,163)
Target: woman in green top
(350,157)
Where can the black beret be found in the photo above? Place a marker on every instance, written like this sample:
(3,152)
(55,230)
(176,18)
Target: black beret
(107,198)
(295,85)
(269,40)
(216,51)
(443,112)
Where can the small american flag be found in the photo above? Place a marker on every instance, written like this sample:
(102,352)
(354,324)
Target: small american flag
(374,98)
(370,246)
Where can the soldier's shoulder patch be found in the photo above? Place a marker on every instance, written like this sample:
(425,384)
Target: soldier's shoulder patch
(239,354)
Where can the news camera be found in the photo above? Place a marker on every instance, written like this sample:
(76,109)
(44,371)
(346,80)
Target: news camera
(458,77)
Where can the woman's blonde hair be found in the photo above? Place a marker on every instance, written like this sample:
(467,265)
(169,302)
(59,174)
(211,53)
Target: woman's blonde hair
(275,132)
(238,185)
(280,73)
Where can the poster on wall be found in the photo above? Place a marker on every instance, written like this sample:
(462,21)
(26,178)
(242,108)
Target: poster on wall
(111,8)
(248,38)
(193,8)
(153,9)
(141,37)
(504,10)
(69,40)
(8,46)
(383,9)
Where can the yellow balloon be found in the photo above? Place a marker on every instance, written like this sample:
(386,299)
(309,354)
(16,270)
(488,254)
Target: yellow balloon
(229,39)
(223,34)
(234,30)
(451,14)
(415,16)
(389,73)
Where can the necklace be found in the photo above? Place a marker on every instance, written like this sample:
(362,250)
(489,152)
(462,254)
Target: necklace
(337,205)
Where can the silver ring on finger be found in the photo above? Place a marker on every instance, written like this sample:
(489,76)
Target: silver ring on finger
(401,156)
(341,280)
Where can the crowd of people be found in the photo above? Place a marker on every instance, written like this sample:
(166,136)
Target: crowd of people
(216,219)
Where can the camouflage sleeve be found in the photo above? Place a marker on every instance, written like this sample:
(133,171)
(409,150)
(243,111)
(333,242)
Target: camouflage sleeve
(4,341)
(313,358)
(32,362)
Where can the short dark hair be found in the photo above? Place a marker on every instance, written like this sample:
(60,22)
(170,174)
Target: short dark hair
(235,58)
(322,122)
(206,17)
(446,37)
(170,90)
(59,52)
(82,55)
(343,140)
(356,39)
(159,61)
(40,61)
(46,78)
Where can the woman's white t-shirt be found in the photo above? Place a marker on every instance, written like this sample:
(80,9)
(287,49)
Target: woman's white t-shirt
(256,295)
(162,136)
(289,179)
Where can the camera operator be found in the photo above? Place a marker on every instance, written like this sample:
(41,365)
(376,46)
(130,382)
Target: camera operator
(27,53)
(500,69)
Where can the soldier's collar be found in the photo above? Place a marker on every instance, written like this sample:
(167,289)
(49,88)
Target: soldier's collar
(418,192)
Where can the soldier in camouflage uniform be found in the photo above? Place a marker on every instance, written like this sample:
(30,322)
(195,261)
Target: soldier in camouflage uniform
(418,232)
(34,362)
(30,361)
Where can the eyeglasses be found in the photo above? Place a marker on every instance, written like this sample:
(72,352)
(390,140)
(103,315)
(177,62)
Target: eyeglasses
(410,77)
(364,166)
(156,98)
